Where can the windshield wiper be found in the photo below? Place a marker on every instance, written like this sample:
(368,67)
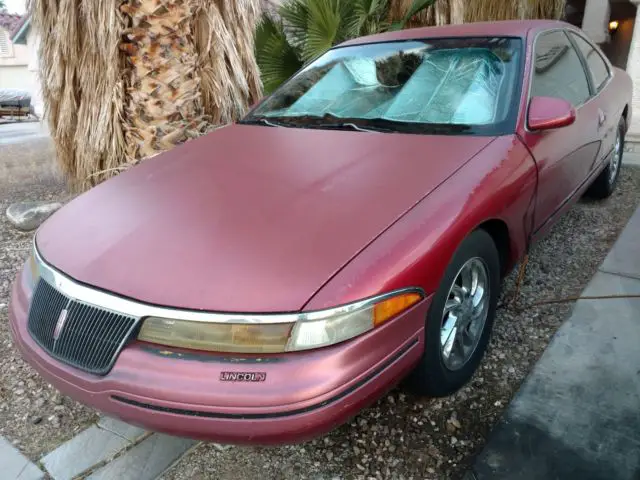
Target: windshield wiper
(262,121)
(312,121)
(349,126)
(377,124)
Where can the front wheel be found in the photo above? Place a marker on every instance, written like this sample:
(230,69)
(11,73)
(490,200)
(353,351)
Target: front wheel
(604,185)
(460,319)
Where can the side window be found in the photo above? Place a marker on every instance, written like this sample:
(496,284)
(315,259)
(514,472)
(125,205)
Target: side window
(597,65)
(558,71)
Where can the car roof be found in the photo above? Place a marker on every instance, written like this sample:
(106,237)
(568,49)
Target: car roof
(505,28)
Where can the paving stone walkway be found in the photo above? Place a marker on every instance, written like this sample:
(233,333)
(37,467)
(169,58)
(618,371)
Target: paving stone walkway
(14,465)
(108,450)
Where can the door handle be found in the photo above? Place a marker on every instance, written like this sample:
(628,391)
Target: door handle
(601,118)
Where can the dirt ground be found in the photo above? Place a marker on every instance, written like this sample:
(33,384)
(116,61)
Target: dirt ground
(33,415)
(401,436)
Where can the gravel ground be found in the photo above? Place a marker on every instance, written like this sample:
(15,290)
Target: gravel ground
(401,436)
(407,437)
(33,415)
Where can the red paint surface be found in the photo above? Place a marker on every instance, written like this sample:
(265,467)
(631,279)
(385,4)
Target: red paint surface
(547,113)
(257,219)
(294,381)
(248,218)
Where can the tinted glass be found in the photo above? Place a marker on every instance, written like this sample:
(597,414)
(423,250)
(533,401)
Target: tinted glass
(558,71)
(598,67)
(471,82)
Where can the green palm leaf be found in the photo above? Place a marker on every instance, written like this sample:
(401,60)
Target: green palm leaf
(277,58)
(295,14)
(325,27)
(369,17)
(308,28)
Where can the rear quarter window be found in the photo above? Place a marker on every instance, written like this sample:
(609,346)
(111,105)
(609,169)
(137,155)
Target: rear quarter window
(597,65)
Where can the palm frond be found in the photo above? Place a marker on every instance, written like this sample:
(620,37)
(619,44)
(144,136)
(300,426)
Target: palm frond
(295,14)
(369,17)
(325,27)
(277,58)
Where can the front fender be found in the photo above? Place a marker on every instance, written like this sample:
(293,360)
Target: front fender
(499,183)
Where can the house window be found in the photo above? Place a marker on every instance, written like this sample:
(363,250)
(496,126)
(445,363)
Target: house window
(5,46)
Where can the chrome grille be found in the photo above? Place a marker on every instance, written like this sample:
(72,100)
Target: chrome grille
(91,337)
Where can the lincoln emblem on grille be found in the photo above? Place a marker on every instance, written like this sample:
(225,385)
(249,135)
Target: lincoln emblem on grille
(60,323)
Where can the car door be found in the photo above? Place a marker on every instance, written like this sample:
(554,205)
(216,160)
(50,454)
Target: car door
(605,104)
(564,156)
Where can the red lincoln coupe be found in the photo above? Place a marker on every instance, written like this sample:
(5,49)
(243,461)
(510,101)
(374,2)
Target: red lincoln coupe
(264,283)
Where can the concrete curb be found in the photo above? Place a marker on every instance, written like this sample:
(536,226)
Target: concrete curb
(16,466)
(112,449)
(631,158)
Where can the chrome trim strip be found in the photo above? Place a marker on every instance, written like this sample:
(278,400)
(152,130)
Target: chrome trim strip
(131,308)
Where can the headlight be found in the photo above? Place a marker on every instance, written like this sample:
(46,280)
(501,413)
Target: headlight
(293,332)
(221,337)
(32,271)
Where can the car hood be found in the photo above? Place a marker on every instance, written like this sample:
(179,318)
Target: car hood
(247,218)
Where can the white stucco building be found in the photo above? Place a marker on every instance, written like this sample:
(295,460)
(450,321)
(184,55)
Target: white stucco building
(27,41)
(14,59)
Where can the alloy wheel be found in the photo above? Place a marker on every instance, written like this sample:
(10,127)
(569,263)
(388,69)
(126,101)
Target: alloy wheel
(465,314)
(614,165)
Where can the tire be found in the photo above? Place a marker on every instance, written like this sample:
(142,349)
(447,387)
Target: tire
(604,185)
(436,375)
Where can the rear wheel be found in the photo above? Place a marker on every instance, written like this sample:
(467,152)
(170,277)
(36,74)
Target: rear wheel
(605,184)
(460,319)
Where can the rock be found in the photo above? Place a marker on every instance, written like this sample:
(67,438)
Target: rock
(454,422)
(222,448)
(36,420)
(27,216)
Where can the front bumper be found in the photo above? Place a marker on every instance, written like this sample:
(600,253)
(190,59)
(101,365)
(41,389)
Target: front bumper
(303,394)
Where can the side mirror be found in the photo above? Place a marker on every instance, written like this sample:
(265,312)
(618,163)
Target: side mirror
(546,113)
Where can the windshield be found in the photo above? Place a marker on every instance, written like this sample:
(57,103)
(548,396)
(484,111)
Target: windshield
(446,85)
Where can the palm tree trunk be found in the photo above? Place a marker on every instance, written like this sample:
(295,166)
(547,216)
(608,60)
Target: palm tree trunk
(164,107)
(184,67)
(224,42)
(82,84)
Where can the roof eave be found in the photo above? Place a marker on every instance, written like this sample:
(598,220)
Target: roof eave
(20,37)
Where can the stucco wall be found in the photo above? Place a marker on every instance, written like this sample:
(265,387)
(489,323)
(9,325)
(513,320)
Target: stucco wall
(17,76)
(18,55)
(14,72)
(20,70)
(33,44)
(617,49)
(596,20)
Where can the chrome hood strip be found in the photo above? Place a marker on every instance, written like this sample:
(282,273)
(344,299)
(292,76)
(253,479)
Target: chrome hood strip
(124,306)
